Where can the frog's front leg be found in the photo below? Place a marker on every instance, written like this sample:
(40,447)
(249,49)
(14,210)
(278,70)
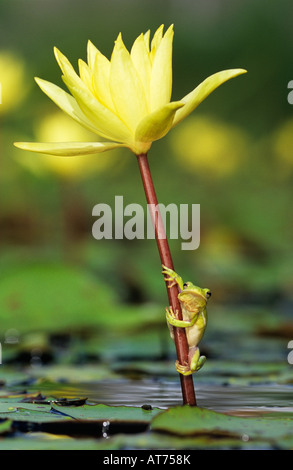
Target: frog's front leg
(172,277)
(173,320)
(195,362)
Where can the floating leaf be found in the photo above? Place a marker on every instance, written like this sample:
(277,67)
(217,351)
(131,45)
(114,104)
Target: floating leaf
(54,297)
(33,412)
(30,412)
(47,441)
(103,412)
(187,420)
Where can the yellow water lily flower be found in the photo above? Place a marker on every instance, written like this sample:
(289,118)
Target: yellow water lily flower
(125,100)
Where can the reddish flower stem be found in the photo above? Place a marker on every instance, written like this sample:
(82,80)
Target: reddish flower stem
(181,344)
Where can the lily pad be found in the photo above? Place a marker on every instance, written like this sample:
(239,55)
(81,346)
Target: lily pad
(48,441)
(55,297)
(154,440)
(186,421)
(34,412)
(31,412)
(70,373)
(103,412)
(141,441)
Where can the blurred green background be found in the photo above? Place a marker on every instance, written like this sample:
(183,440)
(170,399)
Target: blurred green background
(233,156)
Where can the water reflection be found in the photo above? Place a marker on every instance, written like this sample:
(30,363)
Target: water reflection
(164,394)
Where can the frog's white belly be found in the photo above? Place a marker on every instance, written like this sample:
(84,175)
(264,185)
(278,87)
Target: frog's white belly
(194,335)
(195,332)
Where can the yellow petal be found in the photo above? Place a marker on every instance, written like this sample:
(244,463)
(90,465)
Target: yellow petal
(66,102)
(126,88)
(86,74)
(161,78)
(146,37)
(141,61)
(68,149)
(157,124)
(108,124)
(101,79)
(62,60)
(156,41)
(92,51)
(193,99)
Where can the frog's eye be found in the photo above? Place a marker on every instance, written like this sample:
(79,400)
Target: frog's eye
(208,294)
(186,284)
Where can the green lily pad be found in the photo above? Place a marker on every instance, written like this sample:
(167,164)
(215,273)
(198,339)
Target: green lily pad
(154,440)
(236,372)
(10,375)
(48,441)
(31,412)
(45,296)
(34,412)
(187,420)
(56,297)
(145,440)
(103,412)
(70,373)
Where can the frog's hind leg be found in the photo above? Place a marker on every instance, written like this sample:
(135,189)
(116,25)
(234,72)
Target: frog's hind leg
(195,362)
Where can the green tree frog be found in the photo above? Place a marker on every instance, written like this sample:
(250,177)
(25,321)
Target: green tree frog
(193,302)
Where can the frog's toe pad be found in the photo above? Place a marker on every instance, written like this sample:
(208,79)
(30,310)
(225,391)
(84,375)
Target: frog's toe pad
(201,362)
(184,370)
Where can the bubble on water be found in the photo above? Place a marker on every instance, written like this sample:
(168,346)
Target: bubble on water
(105,429)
